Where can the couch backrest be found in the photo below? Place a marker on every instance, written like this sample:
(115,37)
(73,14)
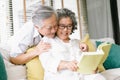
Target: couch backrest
(111,40)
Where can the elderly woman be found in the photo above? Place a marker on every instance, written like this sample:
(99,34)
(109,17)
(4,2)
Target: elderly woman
(60,62)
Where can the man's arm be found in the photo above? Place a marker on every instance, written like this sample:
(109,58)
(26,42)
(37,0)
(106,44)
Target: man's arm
(24,58)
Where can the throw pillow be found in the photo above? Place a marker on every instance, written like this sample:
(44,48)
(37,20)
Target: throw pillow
(106,48)
(87,41)
(98,43)
(34,68)
(3,74)
(112,60)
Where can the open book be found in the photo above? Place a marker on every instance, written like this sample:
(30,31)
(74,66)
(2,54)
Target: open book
(89,61)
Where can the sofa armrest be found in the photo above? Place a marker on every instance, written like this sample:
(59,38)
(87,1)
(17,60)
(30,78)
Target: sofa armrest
(14,72)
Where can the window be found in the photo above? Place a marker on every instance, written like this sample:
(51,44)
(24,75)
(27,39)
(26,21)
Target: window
(14,13)
(6,21)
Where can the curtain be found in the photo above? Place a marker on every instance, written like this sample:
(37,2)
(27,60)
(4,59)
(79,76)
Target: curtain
(83,24)
(115,19)
(99,18)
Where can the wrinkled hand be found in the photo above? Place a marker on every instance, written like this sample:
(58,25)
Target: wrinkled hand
(83,47)
(43,47)
(71,65)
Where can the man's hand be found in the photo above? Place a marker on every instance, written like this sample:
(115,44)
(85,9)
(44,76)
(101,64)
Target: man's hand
(43,47)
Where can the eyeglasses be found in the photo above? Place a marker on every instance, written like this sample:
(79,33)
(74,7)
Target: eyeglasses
(62,26)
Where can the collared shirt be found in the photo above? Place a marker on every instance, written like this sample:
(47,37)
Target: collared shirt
(26,37)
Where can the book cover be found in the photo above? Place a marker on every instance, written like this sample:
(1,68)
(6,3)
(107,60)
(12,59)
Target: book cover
(90,61)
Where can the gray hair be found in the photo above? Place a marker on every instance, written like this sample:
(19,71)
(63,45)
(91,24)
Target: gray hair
(64,12)
(42,13)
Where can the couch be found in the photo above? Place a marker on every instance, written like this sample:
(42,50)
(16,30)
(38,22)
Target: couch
(113,73)
(18,72)
(14,72)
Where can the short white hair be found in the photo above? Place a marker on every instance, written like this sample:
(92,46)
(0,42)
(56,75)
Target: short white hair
(42,13)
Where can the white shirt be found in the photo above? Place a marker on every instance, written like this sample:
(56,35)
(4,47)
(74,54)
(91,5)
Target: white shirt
(63,51)
(59,51)
(26,37)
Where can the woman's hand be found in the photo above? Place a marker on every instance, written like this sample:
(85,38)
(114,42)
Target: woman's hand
(70,65)
(83,47)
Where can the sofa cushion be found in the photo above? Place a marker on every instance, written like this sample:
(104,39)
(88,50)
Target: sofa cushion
(87,41)
(113,58)
(3,74)
(112,74)
(34,68)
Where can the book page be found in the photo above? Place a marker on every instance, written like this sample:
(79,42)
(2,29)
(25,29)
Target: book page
(89,62)
(106,48)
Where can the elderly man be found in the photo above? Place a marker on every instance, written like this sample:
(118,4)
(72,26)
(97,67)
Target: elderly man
(44,23)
